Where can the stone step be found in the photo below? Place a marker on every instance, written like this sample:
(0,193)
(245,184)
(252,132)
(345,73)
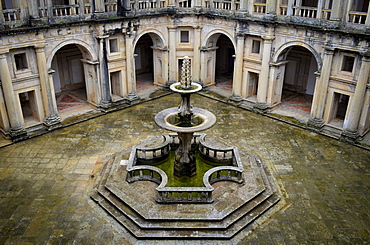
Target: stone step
(189,232)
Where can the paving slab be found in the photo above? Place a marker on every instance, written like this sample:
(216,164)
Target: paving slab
(45,181)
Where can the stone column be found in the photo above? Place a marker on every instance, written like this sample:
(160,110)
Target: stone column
(171,3)
(319,9)
(238,68)
(321,88)
(367,21)
(264,75)
(2,20)
(197,4)
(17,132)
(172,55)
(351,122)
(49,5)
(104,74)
(52,120)
(130,65)
(81,9)
(337,10)
(271,7)
(196,55)
(33,9)
(290,7)
(243,6)
(99,6)
(3,114)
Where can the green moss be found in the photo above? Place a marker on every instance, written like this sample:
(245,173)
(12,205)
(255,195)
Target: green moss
(195,181)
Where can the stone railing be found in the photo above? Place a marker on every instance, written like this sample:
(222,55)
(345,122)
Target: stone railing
(65,10)
(357,17)
(307,12)
(259,8)
(12,14)
(110,7)
(152,154)
(232,171)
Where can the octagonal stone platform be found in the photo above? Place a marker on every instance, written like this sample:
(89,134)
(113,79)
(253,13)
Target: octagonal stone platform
(235,205)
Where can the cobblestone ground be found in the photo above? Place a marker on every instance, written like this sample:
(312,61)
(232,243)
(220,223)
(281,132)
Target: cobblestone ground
(45,181)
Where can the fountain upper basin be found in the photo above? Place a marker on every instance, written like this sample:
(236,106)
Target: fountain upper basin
(203,120)
(195,87)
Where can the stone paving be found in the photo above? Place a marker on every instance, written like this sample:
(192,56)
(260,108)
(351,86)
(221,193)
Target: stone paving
(45,181)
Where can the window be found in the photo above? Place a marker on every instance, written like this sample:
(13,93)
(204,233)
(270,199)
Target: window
(184,36)
(256,45)
(115,81)
(348,63)
(20,61)
(252,83)
(113,45)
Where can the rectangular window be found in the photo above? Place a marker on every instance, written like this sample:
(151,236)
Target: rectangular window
(20,61)
(348,63)
(184,36)
(113,45)
(256,46)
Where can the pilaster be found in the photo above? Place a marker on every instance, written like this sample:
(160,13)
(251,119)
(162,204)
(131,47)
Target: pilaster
(172,54)
(17,131)
(52,120)
(238,68)
(196,55)
(321,88)
(265,68)
(130,64)
(351,121)
(104,75)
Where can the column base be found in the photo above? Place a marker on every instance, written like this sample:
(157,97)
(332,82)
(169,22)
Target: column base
(260,108)
(349,136)
(105,104)
(315,124)
(18,134)
(235,98)
(53,122)
(133,97)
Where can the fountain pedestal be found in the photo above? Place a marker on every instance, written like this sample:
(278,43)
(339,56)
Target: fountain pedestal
(185,163)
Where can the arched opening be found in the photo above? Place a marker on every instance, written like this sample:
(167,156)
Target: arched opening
(69,81)
(224,63)
(299,81)
(144,66)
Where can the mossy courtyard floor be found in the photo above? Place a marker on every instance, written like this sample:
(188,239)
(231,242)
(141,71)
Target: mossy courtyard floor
(45,181)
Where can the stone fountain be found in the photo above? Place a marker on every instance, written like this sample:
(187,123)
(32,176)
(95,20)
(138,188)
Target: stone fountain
(185,120)
(164,187)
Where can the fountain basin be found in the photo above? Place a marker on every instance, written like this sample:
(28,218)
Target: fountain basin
(203,120)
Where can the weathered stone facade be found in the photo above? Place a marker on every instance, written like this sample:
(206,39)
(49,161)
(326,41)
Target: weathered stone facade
(267,47)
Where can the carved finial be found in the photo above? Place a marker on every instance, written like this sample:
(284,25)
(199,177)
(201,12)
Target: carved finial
(185,73)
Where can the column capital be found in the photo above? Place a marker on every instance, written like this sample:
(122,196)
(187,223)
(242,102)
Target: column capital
(328,50)
(39,48)
(240,35)
(365,56)
(268,38)
(102,37)
(4,53)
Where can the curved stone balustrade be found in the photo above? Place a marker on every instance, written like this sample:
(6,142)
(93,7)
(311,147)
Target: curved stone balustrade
(231,172)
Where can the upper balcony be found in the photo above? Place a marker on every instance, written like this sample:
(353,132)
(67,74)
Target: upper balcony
(350,13)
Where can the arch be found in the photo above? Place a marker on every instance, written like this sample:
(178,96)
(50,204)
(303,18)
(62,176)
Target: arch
(149,68)
(219,32)
(150,32)
(283,50)
(83,46)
